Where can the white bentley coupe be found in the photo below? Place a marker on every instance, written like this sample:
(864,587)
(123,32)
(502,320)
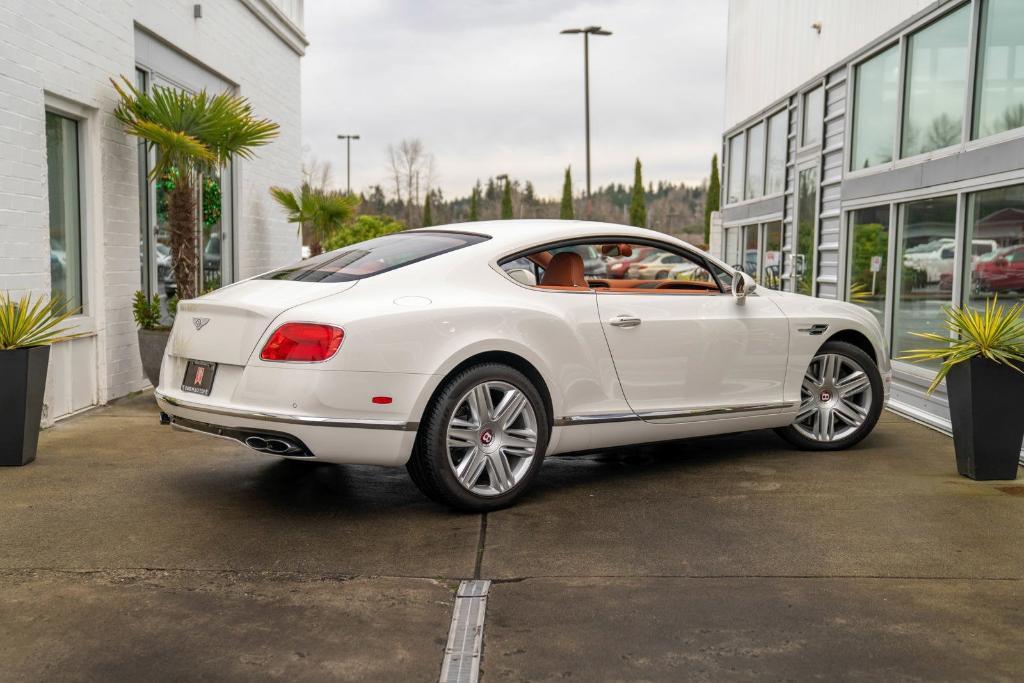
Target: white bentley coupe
(469,353)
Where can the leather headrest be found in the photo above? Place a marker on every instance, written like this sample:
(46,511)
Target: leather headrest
(565,270)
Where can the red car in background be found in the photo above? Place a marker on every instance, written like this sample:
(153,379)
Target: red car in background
(1000,271)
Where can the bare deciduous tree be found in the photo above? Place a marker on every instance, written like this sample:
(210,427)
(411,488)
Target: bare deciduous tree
(411,171)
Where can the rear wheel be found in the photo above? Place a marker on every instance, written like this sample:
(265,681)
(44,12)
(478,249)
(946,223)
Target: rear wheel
(482,439)
(840,400)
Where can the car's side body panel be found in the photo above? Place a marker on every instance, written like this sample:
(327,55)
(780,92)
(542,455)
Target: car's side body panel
(407,329)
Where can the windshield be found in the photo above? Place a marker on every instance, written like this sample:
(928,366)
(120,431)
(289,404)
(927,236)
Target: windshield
(371,257)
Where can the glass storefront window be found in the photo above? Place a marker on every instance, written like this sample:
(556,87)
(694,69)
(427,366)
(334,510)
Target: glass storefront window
(936,77)
(732,247)
(995,231)
(813,116)
(750,250)
(736,169)
(999,99)
(771,256)
(142,155)
(869,259)
(210,236)
(755,162)
(927,247)
(874,109)
(64,191)
(775,173)
(806,207)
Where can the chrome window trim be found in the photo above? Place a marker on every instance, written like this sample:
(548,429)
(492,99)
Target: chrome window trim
(307,420)
(571,420)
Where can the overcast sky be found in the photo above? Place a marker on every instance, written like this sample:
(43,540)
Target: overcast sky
(491,87)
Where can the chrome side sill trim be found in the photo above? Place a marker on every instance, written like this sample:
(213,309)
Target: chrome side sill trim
(307,420)
(571,420)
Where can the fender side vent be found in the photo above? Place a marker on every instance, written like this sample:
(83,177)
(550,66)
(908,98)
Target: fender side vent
(815,330)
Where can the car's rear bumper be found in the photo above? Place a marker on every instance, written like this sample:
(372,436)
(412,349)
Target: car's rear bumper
(352,441)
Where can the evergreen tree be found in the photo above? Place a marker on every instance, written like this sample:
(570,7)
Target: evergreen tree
(474,203)
(506,201)
(637,205)
(428,219)
(713,198)
(566,213)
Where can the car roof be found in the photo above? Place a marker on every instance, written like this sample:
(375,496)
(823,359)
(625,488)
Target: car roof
(509,235)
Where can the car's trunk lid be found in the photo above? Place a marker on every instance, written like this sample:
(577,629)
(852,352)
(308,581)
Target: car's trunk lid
(225,326)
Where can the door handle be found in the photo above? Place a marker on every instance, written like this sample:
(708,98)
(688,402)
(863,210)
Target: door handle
(624,321)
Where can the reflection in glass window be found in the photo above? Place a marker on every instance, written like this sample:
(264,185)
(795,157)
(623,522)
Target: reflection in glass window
(936,77)
(732,247)
(814,114)
(65,209)
(806,207)
(755,162)
(142,155)
(869,249)
(995,229)
(750,250)
(778,132)
(925,281)
(771,256)
(874,109)
(1000,92)
(735,181)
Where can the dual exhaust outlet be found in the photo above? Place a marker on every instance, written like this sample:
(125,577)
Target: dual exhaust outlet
(273,444)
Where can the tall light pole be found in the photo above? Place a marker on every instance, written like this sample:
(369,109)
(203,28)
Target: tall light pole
(348,160)
(587,32)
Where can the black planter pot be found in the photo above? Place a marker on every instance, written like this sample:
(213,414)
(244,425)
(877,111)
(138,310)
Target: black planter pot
(21,395)
(985,401)
(151,349)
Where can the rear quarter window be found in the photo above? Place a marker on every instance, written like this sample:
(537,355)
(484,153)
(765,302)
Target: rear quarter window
(372,257)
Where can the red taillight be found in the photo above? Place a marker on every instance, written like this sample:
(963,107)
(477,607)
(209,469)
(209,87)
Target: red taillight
(302,342)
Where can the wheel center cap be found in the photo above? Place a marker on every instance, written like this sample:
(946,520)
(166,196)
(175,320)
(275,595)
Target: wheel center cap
(826,396)
(486,437)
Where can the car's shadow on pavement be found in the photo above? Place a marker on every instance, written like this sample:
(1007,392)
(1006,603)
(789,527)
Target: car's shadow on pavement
(310,489)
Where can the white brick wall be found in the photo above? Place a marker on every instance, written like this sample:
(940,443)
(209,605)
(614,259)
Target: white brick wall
(61,53)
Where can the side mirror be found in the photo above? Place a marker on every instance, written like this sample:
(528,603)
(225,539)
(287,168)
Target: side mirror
(742,285)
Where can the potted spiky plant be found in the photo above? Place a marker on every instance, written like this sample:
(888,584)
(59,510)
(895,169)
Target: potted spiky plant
(153,334)
(27,329)
(983,365)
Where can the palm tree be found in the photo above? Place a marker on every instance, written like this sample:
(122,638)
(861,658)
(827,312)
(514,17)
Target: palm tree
(322,212)
(195,134)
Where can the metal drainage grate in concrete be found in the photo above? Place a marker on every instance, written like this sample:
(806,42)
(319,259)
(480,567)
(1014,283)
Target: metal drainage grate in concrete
(465,638)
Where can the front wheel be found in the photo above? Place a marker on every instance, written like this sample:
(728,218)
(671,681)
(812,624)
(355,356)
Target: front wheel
(840,399)
(482,439)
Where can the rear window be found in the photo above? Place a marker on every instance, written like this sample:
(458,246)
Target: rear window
(371,257)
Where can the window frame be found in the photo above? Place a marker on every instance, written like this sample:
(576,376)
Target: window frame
(89,173)
(698,257)
(966,121)
(765,120)
(818,84)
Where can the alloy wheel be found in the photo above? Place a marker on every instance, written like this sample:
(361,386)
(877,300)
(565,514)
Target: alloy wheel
(835,398)
(491,438)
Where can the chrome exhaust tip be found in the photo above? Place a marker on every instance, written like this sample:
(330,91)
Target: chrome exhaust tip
(257,443)
(280,446)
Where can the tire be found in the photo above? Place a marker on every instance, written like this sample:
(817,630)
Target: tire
(812,430)
(457,443)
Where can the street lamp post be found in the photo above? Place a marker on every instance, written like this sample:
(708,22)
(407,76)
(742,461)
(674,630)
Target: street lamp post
(587,32)
(348,160)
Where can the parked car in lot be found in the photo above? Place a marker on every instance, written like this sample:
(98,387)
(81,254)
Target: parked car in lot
(1000,271)
(618,267)
(658,265)
(471,353)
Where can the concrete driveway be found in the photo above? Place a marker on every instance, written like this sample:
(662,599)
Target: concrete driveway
(128,551)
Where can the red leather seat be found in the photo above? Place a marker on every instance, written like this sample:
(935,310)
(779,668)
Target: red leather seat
(565,270)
